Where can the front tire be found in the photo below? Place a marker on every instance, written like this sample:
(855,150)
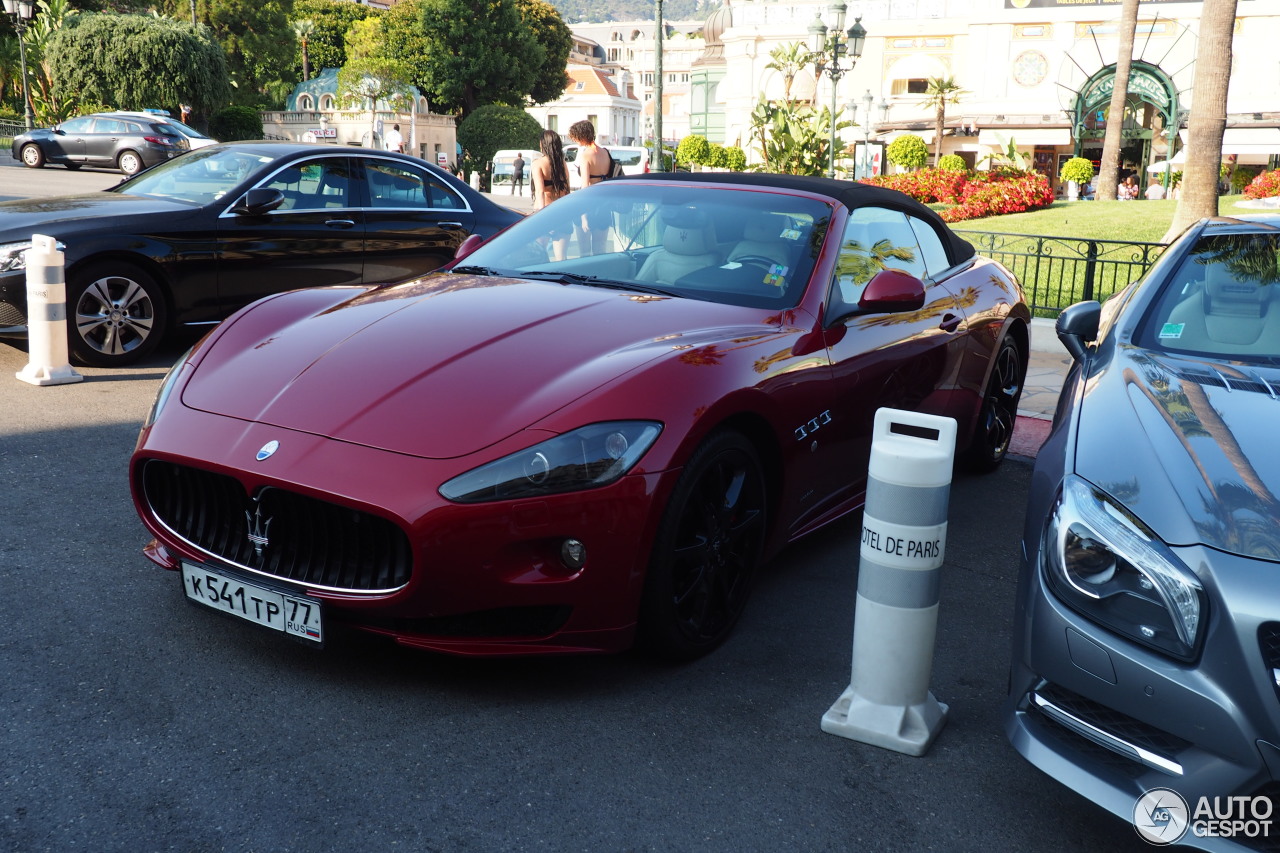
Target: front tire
(708,546)
(32,156)
(994,429)
(117,313)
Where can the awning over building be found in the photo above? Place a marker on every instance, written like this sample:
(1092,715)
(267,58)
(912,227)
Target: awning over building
(1025,136)
(889,136)
(1247,140)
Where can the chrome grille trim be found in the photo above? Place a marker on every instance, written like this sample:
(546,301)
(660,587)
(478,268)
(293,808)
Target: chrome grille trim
(1104,738)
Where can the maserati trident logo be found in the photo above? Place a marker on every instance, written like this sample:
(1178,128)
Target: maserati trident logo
(258,528)
(267,449)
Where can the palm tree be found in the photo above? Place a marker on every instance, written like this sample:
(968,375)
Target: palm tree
(941,91)
(789,60)
(303,29)
(1208,121)
(1109,173)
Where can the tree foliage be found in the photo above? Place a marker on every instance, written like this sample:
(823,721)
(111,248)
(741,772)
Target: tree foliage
(793,139)
(232,123)
(367,81)
(908,151)
(484,52)
(494,127)
(137,61)
(259,45)
(693,149)
(554,37)
(330,19)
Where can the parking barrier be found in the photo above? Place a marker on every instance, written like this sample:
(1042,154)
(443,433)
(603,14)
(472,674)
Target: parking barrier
(904,531)
(47,360)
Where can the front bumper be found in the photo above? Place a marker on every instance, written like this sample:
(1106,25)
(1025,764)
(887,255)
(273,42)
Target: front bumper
(1112,720)
(485,580)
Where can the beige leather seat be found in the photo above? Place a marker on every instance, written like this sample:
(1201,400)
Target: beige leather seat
(762,238)
(1229,316)
(684,250)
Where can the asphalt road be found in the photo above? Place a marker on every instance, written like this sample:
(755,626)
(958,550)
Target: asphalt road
(133,721)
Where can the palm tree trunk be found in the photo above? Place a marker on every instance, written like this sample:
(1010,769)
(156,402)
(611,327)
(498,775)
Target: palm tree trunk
(1199,194)
(940,119)
(1109,173)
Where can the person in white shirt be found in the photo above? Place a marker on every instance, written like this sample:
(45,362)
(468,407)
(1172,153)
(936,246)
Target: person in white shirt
(393,140)
(1155,191)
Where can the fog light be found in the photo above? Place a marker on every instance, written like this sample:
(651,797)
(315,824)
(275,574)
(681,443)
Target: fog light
(573,554)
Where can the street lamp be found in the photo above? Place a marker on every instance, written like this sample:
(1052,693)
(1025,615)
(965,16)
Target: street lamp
(22,11)
(828,49)
(867,100)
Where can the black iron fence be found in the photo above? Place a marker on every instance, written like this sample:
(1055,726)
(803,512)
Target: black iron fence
(1058,271)
(10,129)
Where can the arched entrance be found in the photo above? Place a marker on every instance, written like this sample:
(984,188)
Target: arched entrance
(1156,101)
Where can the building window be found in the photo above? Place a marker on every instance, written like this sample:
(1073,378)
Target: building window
(553,122)
(304,102)
(911,87)
(579,86)
(326,102)
(595,121)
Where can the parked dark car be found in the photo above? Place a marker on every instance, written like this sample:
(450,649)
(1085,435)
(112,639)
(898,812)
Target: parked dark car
(565,443)
(124,141)
(1147,636)
(187,243)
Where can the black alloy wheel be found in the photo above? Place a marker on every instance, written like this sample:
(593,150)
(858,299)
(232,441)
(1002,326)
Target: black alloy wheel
(999,415)
(117,314)
(708,547)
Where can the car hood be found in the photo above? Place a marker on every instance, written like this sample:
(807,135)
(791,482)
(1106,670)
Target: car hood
(444,366)
(20,219)
(1189,446)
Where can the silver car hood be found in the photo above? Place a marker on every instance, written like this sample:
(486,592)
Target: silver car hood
(1192,447)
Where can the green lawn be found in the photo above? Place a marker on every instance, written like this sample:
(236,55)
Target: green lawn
(1138,221)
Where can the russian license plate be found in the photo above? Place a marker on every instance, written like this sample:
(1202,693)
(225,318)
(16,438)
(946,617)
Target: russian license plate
(294,615)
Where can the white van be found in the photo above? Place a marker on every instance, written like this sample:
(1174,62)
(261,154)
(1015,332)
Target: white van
(503,159)
(634,160)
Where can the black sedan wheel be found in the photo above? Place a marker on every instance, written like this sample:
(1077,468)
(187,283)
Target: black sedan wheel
(707,549)
(129,162)
(117,315)
(32,156)
(999,414)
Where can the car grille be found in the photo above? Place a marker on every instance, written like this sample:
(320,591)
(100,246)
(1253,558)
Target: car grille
(1140,743)
(11,315)
(307,541)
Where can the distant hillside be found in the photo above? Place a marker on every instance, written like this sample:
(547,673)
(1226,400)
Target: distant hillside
(598,11)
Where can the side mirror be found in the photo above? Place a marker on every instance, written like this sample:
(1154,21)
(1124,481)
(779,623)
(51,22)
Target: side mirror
(468,246)
(1077,326)
(258,201)
(890,291)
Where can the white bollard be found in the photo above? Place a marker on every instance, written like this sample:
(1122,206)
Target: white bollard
(904,532)
(47,361)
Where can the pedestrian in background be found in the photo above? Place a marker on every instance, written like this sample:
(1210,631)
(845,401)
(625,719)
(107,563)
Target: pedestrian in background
(394,141)
(593,164)
(550,181)
(517,174)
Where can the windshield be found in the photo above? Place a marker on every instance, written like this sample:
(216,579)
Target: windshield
(185,129)
(202,176)
(1223,300)
(738,246)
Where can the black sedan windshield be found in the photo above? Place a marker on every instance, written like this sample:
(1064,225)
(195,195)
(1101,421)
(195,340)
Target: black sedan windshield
(203,176)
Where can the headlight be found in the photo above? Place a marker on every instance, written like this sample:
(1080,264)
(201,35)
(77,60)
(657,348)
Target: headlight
(13,255)
(166,388)
(1107,565)
(586,458)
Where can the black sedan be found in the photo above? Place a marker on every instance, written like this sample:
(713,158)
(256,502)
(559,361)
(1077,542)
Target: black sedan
(1147,638)
(126,141)
(190,241)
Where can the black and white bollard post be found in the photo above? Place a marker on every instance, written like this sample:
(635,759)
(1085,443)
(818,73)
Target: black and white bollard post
(904,531)
(47,361)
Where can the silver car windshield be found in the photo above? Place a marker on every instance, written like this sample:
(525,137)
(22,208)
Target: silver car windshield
(1223,300)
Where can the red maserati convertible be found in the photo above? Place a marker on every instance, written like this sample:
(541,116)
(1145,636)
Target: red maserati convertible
(586,432)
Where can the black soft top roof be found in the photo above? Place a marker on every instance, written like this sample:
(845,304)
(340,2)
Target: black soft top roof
(849,193)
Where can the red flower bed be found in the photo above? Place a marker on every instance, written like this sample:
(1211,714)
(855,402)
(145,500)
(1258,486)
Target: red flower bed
(1265,185)
(974,195)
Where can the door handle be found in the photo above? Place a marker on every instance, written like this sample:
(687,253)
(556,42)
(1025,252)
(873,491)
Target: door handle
(450,226)
(340,223)
(950,322)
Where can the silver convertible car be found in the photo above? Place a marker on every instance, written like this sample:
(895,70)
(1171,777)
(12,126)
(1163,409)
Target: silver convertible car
(1146,659)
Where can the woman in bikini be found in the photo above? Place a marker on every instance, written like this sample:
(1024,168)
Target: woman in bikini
(550,182)
(593,164)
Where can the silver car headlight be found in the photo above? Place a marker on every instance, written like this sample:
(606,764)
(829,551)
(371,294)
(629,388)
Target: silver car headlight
(585,458)
(1108,566)
(13,255)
